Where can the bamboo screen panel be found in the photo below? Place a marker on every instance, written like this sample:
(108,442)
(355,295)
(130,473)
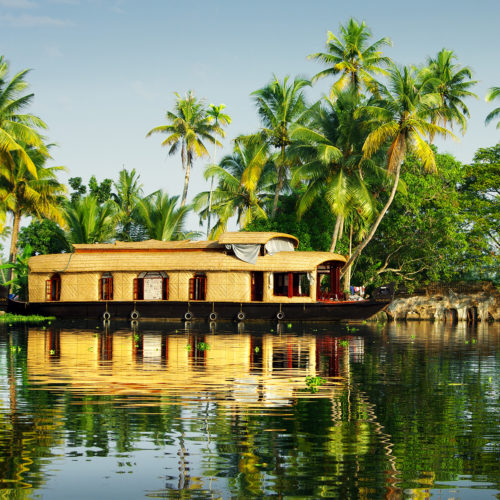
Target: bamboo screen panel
(228,287)
(37,287)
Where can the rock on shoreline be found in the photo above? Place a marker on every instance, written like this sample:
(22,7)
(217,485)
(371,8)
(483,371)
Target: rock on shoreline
(448,305)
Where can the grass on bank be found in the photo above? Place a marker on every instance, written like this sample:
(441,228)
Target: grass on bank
(36,319)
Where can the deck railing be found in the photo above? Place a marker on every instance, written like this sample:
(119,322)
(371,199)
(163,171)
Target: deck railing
(330,296)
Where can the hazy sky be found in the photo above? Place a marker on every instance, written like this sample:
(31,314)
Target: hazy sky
(104,72)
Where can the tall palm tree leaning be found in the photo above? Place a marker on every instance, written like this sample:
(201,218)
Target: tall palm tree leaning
(401,121)
(25,194)
(186,129)
(492,94)
(352,58)
(453,84)
(281,105)
(18,130)
(330,148)
(219,119)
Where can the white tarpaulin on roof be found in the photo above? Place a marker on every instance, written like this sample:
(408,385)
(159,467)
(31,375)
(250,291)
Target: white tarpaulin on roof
(279,245)
(246,253)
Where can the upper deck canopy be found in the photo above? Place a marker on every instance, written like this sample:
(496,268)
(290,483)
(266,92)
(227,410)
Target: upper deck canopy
(197,261)
(153,255)
(254,238)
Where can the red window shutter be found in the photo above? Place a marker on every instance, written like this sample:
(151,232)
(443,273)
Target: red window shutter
(136,288)
(101,289)
(290,285)
(48,290)
(110,288)
(191,288)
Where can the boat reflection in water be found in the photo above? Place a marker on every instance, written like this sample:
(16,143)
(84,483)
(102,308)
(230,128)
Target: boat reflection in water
(265,369)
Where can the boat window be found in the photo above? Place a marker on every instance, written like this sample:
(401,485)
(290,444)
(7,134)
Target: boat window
(292,284)
(53,288)
(198,287)
(328,282)
(151,285)
(106,287)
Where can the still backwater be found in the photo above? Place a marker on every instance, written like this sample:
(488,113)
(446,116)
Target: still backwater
(250,411)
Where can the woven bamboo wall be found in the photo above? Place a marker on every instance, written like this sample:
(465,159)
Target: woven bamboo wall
(78,287)
(36,287)
(179,285)
(221,287)
(228,287)
(123,286)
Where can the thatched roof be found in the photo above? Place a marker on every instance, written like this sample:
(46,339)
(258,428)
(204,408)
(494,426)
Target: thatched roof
(196,260)
(255,238)
(151,245)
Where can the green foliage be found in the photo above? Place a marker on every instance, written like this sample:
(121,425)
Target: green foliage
(423,236)
(313,230)
(44,237)
(91,222)
(19,281)
(33,319)
(79,189)
(480,199)
(101,191)
(313,383)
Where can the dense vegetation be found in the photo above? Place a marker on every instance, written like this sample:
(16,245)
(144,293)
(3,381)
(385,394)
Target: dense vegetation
(354,173)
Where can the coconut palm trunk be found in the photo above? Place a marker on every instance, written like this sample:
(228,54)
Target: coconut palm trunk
(13,242)
(279,186)
(374,228)
(336,232)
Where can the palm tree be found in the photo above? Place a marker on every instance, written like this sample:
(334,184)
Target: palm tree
(89,221)
(352,57)
(161,217)
(128,194)
(23,193)
(18,131)
(453,84)
(331,166)
(401,124)
(186,129)
(244,180)
(219,118)
(492,94)
(280,105)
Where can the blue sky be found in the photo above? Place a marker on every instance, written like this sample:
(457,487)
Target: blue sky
(105,71)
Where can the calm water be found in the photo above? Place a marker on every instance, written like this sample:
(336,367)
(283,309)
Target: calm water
(398,411)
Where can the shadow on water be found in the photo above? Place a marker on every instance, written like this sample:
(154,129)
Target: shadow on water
(224,410)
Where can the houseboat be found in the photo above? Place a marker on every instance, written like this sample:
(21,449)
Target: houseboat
(241,276)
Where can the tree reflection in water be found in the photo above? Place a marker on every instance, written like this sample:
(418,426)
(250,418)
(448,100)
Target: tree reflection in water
(209,412)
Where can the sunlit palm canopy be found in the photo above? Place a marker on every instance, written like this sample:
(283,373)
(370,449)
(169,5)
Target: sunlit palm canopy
(188,129)
(492,94)
(400,118)
(453,86)
(89,221)
(351,58)
(162,218)
(332,165)
(244,182)
(18,130)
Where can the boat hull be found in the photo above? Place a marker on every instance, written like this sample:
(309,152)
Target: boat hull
(205,311)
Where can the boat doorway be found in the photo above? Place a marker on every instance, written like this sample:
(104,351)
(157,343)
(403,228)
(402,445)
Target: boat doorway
(257,286)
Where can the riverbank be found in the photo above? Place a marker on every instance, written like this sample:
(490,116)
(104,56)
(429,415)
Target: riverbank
(472,303)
